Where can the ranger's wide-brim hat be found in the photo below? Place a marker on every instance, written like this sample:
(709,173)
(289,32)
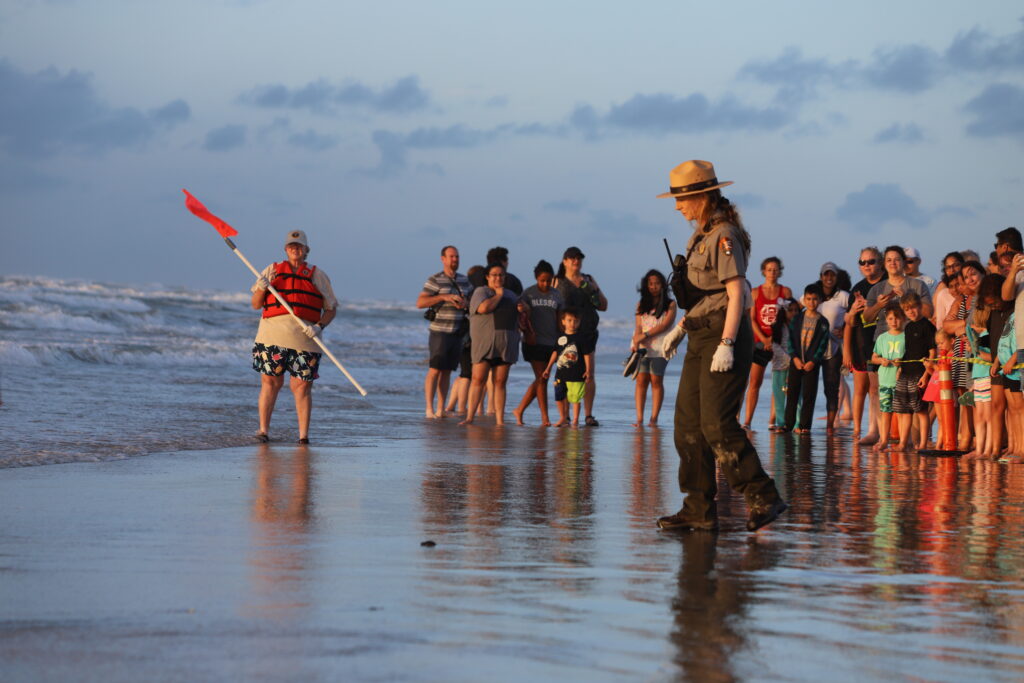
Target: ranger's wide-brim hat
(692,177)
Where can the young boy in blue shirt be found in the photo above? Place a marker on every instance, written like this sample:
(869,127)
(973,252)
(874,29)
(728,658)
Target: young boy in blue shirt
(808,342)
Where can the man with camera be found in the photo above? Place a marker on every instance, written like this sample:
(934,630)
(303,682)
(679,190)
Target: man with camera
(445,295)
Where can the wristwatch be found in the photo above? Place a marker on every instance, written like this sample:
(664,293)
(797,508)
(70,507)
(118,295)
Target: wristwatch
(727,342)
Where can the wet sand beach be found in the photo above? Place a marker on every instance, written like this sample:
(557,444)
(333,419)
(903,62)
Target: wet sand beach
(284,562)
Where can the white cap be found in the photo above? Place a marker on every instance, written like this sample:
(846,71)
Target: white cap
(296,237)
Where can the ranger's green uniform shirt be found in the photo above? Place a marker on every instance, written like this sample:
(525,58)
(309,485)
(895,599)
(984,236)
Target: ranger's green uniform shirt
(709,266)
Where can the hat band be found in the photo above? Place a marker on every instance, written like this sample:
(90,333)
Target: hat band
(694,187)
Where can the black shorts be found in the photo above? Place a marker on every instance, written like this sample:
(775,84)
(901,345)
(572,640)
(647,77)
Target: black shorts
(445,350)
(537,353)
(762,356)
(1011,384)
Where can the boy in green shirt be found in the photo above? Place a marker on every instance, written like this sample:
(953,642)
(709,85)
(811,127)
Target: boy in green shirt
(888,351)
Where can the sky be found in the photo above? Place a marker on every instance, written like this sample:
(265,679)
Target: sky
(387,130)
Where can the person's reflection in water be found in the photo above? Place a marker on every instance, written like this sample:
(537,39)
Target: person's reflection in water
(646,489)
(710,608)
(282,505)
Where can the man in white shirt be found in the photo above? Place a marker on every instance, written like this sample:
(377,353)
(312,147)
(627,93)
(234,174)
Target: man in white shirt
(913,269)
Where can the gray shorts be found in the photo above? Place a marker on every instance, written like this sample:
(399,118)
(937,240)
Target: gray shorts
(652,366)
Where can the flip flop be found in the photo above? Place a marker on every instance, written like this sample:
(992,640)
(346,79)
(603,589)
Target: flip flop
(591,421)
(262,437)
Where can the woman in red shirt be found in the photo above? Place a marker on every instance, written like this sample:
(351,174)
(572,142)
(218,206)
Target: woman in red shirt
(769,300)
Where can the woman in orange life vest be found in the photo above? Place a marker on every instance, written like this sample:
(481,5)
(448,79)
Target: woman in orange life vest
(284,344)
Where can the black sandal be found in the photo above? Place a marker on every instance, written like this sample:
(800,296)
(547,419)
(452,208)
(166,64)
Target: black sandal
(591,421)
(262,437)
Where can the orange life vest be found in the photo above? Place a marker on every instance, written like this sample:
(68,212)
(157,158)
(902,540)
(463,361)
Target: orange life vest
(297,288)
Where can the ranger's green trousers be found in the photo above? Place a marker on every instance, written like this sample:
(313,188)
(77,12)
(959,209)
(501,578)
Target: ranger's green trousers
(706,428)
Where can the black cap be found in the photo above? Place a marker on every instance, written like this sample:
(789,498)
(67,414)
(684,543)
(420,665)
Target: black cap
(573,252)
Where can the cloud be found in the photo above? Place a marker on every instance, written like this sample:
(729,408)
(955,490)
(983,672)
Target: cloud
(225,138)
(311,140)
(978,50)
(321,97)
(566,205)
(662,113)
(899,132)
(907,68)
(172,113)
(797,78)
(45,113)
(880,203)
(394,147)
(998,111)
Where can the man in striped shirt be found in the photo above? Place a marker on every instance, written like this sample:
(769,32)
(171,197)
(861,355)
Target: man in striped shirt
(447,295)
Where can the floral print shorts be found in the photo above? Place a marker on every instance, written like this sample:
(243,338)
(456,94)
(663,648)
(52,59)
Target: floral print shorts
(274,360)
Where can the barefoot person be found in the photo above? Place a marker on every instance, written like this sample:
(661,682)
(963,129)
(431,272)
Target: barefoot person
(655,315)
(446,296)
(494,329)
(718,358)
(858,345)
(282,343)
(542,304)
(580,291)
(768,302)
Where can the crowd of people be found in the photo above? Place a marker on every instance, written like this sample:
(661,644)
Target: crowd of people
(888,331)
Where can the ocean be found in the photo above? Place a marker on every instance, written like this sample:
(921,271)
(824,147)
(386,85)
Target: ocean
(94,371)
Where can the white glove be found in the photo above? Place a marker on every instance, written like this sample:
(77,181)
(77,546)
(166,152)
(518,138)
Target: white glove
(263,283)
(722,360)
(312,331)
(670,342)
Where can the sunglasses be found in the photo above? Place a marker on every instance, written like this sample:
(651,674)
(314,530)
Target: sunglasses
(868,262)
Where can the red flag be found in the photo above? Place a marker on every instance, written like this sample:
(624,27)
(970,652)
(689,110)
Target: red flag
(196,207)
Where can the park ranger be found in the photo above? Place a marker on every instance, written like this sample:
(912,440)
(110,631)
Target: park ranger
(710,283)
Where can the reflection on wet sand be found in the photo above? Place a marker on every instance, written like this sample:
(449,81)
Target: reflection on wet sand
(881,556)
(712,634)
(487,510)
(281,515)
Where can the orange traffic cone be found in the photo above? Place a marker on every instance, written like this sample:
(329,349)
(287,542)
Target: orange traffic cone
(945,410)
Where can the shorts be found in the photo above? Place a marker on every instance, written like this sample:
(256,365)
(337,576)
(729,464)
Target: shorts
(569,391)
(982,389)
(652,366)
(885,396)
(274,360)
(445,350)
(906,397)
(1011,384)
(537,353)
(762,356)
(495,362)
